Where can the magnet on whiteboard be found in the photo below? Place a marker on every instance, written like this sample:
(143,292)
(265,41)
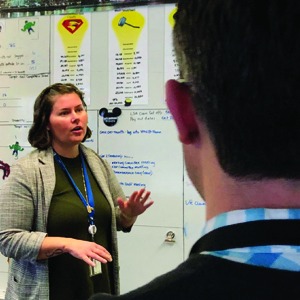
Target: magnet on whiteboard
(110,118)
(128,102)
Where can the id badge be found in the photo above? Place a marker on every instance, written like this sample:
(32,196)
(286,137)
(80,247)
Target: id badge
(97,269)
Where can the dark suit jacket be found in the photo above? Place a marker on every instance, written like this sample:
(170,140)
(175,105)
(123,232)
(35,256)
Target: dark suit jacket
(209,277)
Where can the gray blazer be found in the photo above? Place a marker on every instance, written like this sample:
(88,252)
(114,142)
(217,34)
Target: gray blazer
(24,205)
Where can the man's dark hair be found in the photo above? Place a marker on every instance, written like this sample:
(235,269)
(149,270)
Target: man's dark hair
(241,59)
(39,136)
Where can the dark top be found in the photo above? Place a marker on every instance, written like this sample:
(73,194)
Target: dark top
(208,277)
(68,276)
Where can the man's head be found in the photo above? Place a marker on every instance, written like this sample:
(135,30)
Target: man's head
(241,60)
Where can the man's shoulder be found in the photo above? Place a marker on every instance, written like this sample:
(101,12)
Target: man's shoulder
(212,277)
(180,283)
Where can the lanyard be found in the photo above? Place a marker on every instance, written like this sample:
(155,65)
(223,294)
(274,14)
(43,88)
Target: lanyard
(89,202)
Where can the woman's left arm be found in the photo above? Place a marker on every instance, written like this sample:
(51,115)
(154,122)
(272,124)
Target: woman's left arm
(127,210)
(137,204)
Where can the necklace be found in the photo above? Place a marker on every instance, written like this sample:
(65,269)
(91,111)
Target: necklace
(88,207)
(89,200)
(92,229)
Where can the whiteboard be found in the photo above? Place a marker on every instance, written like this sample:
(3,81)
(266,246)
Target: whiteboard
(24,71)
(143,150)
(142,146)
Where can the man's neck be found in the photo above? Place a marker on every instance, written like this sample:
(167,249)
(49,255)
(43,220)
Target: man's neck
(234,194)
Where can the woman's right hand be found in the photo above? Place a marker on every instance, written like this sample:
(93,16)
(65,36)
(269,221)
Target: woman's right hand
(84,250)
(87,251)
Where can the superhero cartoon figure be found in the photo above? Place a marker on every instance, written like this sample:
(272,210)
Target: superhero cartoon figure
(6,169)
(16,148)
(28,26)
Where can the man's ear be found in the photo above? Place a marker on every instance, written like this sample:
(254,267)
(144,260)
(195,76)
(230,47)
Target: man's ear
(180,105)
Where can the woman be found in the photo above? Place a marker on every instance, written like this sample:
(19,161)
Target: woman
(61,208)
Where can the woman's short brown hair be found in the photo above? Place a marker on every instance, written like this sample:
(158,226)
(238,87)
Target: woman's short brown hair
(39,136)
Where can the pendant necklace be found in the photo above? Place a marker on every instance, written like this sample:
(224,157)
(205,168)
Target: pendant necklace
(89,200)
(92,229)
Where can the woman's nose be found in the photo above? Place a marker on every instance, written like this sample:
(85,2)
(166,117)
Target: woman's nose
(74,118)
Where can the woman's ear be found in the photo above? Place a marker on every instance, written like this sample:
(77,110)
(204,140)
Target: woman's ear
(180,105)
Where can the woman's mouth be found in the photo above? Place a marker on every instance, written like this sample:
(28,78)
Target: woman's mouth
(77,129)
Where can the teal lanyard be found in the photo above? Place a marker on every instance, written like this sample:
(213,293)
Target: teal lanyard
(89,202)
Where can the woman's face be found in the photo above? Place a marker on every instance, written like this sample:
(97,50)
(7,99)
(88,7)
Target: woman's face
(68,121)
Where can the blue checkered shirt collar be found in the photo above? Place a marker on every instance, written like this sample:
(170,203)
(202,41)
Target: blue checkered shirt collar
(271,256)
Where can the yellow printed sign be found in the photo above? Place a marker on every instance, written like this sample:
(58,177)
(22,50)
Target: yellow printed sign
(72,29)
(128,26)
(171,17)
